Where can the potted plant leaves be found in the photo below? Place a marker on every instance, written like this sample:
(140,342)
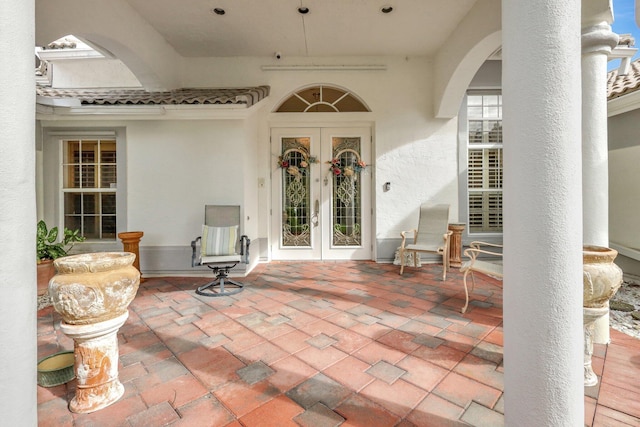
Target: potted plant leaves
(49,247)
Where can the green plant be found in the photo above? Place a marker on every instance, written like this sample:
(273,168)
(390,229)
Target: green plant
(47,245)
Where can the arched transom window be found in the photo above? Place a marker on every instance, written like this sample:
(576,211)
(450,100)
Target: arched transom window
(321,99)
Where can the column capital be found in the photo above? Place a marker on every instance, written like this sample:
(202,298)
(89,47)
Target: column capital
(598,39)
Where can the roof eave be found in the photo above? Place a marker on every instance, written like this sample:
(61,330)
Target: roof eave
(624,103)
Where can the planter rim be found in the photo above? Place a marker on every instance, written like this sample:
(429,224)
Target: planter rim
(131,234)
(594,253)
(93,262)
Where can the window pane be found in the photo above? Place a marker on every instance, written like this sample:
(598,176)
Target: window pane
(349,104)
(88,153)
(293,104)
(108,176)
(88,175)
(474,100)
(108,227)
(321,108)
(108,203)
(475,131)
(89,204)
(73,222)
(90,228)
(494,132)
(71,176)
(107,151)
(72,204)
(331,95)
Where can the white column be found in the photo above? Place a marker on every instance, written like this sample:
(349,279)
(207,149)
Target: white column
(18,352)
(597,42)
(543,339)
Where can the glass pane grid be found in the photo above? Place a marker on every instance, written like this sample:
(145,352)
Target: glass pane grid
(90,165)
(485,164)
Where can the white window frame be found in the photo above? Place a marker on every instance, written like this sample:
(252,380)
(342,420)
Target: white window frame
(95,169)
(54,213)
(463,163)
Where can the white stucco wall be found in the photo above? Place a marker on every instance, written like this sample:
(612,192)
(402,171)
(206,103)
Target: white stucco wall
(92,73)
(624,199)
(171,162)
(177,167)
(173,169)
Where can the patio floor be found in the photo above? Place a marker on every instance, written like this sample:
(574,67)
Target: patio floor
(322,344)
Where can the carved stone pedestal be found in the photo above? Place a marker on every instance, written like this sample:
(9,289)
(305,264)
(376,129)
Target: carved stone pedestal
(96,364)
(601,280)
(590,315)
(92,292)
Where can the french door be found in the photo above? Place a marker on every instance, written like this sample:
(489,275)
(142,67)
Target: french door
(321,193)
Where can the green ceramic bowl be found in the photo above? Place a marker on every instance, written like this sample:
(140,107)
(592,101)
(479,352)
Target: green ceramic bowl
(56,369)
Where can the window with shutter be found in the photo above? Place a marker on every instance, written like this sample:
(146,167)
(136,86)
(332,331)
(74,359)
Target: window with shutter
(484,163)
(89,187)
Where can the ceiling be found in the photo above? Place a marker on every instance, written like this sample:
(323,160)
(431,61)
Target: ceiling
(330,28)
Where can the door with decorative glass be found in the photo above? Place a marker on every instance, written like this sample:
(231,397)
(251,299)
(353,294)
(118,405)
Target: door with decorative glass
(321,193)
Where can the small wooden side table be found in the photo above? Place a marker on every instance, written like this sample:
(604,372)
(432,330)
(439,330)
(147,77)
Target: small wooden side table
(455,244)
(131,243)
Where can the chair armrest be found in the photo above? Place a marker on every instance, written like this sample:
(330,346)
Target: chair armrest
(193,252)
(474,252)
(476,248)
(478,245)
(404,236)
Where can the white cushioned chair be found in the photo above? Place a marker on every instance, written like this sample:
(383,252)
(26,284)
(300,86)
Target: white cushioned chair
(431,236)
(220,247)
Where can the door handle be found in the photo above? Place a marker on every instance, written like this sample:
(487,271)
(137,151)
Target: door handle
(314,216)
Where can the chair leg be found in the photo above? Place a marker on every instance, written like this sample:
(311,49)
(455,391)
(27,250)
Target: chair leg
(216,288)
(466,292)
(401,254)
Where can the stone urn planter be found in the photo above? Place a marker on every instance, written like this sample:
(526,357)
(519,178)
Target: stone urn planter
(601,280)
(92,292)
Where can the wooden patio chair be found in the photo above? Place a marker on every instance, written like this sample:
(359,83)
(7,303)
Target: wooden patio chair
(431,236)
(473,264)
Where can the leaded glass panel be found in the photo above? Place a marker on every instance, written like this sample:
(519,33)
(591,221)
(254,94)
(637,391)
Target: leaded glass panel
(346,215)
(296,203)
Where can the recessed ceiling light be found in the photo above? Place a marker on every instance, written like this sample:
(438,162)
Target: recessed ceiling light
(386,9)
(218,11)
(303,10)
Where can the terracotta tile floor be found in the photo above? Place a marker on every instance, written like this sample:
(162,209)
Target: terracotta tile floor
(322,344)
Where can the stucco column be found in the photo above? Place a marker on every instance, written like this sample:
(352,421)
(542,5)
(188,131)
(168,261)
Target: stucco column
(597,42)
(543,331)
(18,353)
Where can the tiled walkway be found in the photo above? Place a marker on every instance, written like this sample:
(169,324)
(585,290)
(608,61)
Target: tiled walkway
(322,344)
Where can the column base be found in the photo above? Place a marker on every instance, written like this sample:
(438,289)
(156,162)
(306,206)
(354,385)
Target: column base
(91,399)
